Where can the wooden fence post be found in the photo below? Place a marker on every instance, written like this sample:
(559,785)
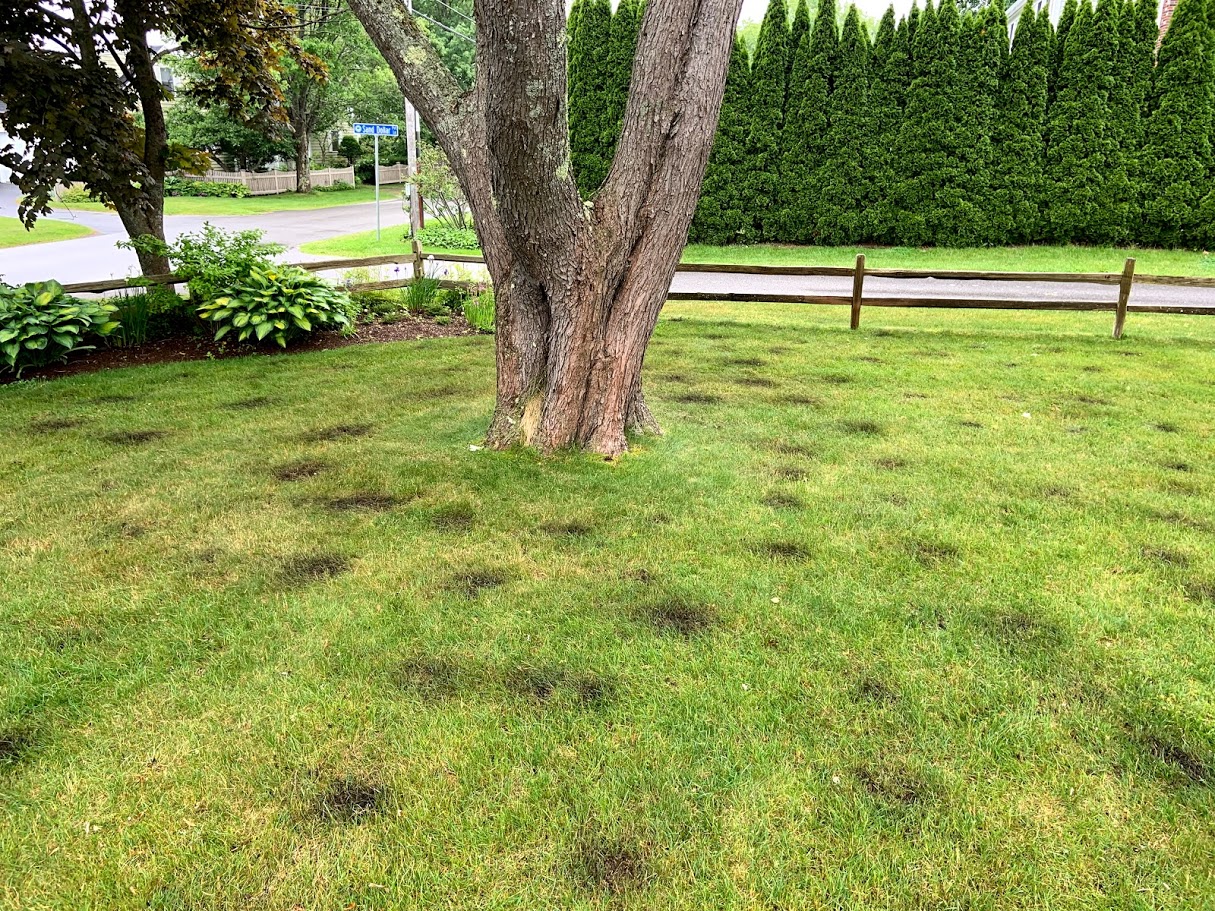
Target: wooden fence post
(1124,295)
(419,261)
(858,281)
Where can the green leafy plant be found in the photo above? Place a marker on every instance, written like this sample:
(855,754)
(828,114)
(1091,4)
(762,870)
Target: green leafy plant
(279,304)
(152,312)
(335,187)
(442,237)
(40,324)
(421,296)
(182,186)
(213,260)
(75,194)
(479,310)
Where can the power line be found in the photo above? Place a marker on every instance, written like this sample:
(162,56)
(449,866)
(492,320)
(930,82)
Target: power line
(452,9)
(445,28)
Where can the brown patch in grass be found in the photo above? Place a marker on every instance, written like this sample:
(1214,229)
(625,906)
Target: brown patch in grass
(543,684)
(790,473)
(785,550)
(132,437)
(1166,555)
(337,432)
(698,398)
(431,678)
(1019,630)
(835,379)
(680,616)
(641,574)
(1167,427)
(876,690)
(974,425)
(756,382)
(301,569)
(1178,466)
(1180,520)
(567,528)
(891,463)
(1181,756)
(747,362)
(1201,592)
(807,401)
(470,583)
(298,471)
(16,745)
(453,517)
(609,864)
(862,427)
(870,359)
(1056,492)
(1093,368)
(349,799)
(914,395)
(52,425)
(894,782)
(780,500)
(1092,400)
(931,552)
(366,501)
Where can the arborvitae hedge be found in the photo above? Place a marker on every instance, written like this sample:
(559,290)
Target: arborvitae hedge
(845,185)
(1177,144)
(622,46)
(769,78)
(589,90)
(805,145)
(1019,136)
(724,213)
(889,63)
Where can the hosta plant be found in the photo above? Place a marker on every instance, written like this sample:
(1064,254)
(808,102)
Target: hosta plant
(40,324)
(279,304)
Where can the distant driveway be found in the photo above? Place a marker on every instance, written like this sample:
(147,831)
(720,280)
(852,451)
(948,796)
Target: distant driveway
(99,257)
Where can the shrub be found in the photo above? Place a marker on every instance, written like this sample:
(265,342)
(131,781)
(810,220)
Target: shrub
(213,260)
(278,303)
(335,187)
(349,149)
(441,237)
(479,310)
(184,186)
(76,194)
(151,313)
(421,297)
(364,170)
(39,324)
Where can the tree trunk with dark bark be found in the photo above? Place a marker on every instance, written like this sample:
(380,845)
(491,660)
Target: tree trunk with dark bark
(303,166)
(578,286)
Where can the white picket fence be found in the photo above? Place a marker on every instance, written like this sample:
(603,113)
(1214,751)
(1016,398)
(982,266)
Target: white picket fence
(271,182)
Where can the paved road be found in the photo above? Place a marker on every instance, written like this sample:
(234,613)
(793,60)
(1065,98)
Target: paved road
(98,257)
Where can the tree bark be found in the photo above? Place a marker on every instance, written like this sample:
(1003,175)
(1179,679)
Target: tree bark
(303,167)
(578,286)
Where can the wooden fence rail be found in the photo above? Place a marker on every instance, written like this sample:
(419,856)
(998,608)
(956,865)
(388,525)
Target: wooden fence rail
(1124,280)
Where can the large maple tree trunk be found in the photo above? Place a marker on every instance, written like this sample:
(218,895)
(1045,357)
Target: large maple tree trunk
(578,286)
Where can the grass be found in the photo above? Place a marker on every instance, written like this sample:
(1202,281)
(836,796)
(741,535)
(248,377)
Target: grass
(1007,259)
(13,233)
(919,616)
(257,205)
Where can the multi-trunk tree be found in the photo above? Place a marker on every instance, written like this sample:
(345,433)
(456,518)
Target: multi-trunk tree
(579,285)
(79,118)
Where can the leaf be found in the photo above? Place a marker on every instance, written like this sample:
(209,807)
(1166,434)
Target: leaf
(263,330)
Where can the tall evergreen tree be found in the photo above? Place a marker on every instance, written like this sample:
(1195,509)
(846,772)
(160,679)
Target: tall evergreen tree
(981,51)
(723,215)
(1177,140)
(889,63)
(929,148)
(1118,194)
(797,31)
(589,90)
(1019,130)
(1078,159)
(804,148)
(845,185)
(1059,39)
(769,80)
(622,45)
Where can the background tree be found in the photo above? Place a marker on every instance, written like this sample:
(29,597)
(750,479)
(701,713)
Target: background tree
(590,79)
(1058,40)
(845,187)
(982,43)
(889,63)
(768,87)
(723,215)
(1019,130)
(81,120)
(622,45)
(1177,141)
(578,285)
(213,129)
(804,146)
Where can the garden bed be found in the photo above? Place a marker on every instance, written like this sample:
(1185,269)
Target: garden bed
(198,348)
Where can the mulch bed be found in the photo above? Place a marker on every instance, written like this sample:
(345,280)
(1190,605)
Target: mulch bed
(198,348)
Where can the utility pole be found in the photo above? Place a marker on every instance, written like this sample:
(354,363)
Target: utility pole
(411,157)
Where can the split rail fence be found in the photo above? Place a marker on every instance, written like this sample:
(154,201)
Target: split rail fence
(1123,280)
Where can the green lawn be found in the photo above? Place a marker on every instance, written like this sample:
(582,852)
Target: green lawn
(13,233)
(1008,259)
(920,616)
(259,205)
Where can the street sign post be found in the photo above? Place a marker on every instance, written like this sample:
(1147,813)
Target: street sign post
(376,130)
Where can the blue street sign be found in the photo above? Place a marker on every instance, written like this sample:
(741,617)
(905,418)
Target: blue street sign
(374,129)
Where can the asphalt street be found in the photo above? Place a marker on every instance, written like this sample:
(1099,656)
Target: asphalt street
(98,257)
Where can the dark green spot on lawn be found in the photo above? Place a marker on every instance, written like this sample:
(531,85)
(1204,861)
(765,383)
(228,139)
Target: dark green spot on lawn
(747,362)
(680,616)
(349,799)
(781,500)
(298,471)
(1023,632)
(366,501)
(756,382)
(470,583)
(432,678)
(132,437)
(1166,555)
(895,783)
(17,743)
(1167,427)
(567,528)
(784,550)
(1179,466)
(891,463)
(337,432)
(1201,592)
(698,398)
(612,865)
(453,517)
(790,473)
(52,425)
(862,427)
(807,401)
(251,403)
(302,569)
(545,684)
